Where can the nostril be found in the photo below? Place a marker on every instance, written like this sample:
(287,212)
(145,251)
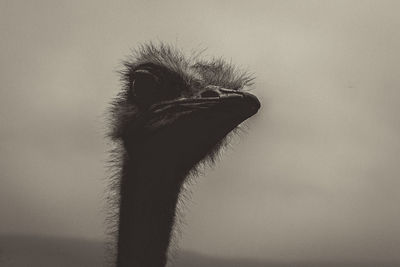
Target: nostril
(209,93)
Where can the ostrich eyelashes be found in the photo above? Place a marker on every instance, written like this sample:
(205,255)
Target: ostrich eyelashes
(150,86)
(145,87)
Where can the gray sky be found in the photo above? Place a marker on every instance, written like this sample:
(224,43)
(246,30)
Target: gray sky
(315,175)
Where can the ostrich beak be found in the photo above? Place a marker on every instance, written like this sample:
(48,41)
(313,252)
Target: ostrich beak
(232,100)
(216,99)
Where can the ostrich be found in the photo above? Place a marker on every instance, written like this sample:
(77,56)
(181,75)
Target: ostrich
(173,113)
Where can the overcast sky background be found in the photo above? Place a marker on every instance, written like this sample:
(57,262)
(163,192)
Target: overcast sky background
(315,176)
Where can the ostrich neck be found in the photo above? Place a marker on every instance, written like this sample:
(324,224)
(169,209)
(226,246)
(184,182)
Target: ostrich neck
(149,190)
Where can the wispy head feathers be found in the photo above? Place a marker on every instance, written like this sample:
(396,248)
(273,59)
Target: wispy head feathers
(215,72)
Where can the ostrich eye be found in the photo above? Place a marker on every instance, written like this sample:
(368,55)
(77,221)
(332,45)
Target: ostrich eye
(197,84)
(144,87)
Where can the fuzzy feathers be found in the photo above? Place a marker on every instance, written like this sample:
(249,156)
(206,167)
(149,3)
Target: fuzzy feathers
(191,70)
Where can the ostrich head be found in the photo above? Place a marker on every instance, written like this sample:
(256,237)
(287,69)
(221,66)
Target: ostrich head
(181,108)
